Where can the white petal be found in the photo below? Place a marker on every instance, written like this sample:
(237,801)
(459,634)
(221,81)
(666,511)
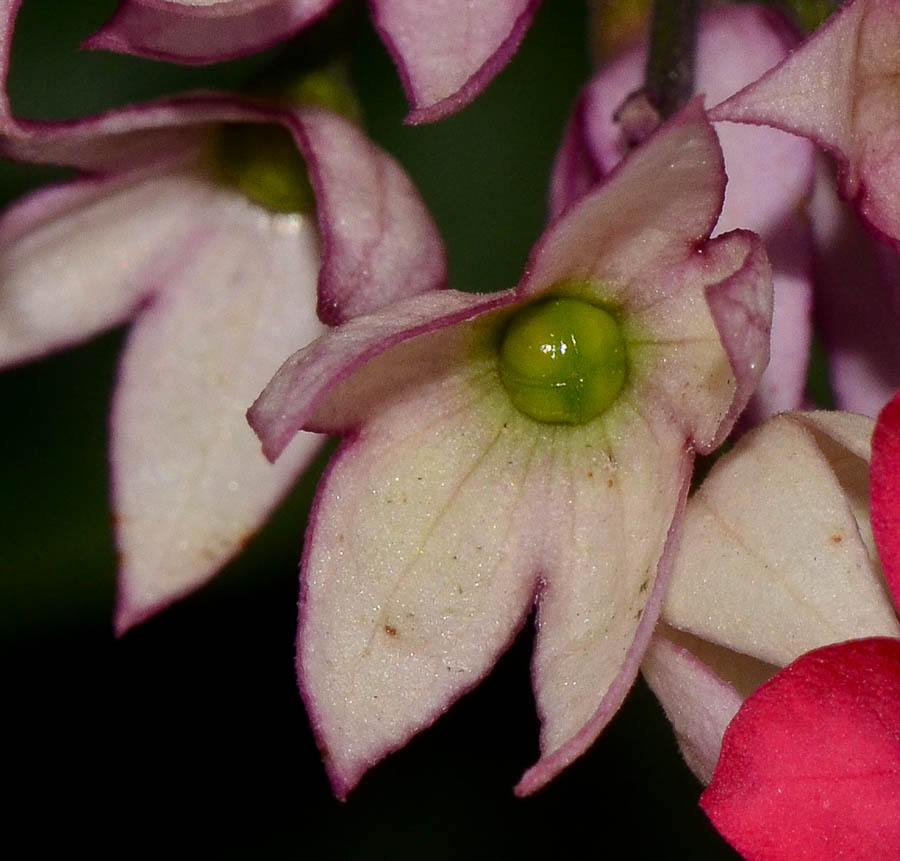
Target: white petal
(771,560)
(699,701)
(78,258)
(610,496)
(190,483)
(420,563)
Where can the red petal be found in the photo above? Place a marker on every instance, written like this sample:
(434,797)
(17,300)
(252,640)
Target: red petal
(810,766)
(885,492)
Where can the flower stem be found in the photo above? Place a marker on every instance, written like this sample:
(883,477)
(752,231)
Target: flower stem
(669,80)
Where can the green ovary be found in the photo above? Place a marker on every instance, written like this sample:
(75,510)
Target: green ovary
(263,162)
(563,361)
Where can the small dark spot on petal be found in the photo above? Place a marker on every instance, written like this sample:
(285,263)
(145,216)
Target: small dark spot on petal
(837,539)
(610,482)
(590,475)
(390,630)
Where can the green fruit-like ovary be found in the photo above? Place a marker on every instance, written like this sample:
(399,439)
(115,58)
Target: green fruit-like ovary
(263,162)
(563,361)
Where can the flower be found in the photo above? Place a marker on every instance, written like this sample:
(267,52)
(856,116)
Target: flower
(770,173)
(776,558)
(221,288)
(447,52)
(838,89)
(448,511)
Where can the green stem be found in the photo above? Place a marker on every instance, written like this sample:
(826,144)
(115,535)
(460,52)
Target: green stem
(669,80)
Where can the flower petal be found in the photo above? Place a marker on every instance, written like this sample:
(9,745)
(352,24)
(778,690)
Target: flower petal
(203,31)
(190,484)
(858,304)
(653,210)
(448,52)
(839,90)
(610,505)
(698,702)
(810,92)
(163,132)
(293,396)
(810,767)
(380,243)
(79,258)
(777,579)
(885,478)
(421,559)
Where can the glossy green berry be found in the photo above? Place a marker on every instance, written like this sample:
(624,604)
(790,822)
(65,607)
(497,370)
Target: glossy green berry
(263,162)
(563,361)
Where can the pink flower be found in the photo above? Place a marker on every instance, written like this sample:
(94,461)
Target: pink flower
(770,174)
(220,289)
(447,52)
(471,485)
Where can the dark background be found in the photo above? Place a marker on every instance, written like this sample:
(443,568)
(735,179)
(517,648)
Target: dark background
(188,736)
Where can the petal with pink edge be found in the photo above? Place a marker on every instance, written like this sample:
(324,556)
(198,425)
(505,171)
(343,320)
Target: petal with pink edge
(773,561)
(163,132)
(810,766)
(609,499)
(839,90)
(651,213)
(190,484)
(297,396)
(857,295)
(448,52)
(885,489)
(701,687)
(204,31)
(79,258)
(379,242)
(422,557)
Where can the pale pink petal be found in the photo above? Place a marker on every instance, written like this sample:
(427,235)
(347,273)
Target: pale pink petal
(699,701)
(448,52)
(421,559)
(601,595)
(811,92)
(190,484)
(772,560)
(886,492)
(839,90)
(651,213)
(380,243)
(574,172)
(164,132)
(857,290)
(79,258)
(204,31)
(810,767)
(292,398)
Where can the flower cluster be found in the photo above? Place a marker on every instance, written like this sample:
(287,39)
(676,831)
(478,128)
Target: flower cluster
(528,451)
